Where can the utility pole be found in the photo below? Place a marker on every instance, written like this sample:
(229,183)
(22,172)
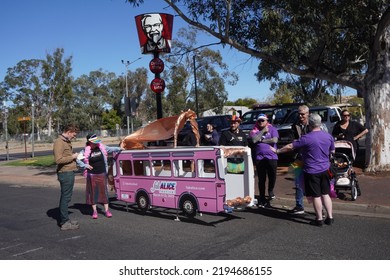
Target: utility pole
(6,130)
(32,129)
(196,89)
(127,100)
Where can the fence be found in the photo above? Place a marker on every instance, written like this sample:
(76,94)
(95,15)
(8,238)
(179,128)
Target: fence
(23,142)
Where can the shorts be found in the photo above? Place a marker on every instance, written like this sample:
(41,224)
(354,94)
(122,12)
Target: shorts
(317,184)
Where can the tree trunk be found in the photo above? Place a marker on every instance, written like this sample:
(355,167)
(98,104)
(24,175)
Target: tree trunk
(38,133)
(49,126)
(377,104)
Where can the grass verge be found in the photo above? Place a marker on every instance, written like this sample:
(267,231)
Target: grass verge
(42,161)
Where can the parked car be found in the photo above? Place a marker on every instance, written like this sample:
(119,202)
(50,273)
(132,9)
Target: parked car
(329,115)
(220,123)
(275,114)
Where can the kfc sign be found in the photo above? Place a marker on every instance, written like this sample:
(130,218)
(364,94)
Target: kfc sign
(154,32)
(157,85)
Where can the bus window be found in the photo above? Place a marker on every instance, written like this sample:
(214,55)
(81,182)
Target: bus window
(184,168)
(141,167)
(206,168)
(125,167)
(162,168)
(235,165)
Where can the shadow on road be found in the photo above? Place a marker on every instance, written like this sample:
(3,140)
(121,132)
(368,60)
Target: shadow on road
(170,214)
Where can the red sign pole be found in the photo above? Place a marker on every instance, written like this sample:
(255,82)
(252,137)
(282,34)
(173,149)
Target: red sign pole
(155,36)
(158,95)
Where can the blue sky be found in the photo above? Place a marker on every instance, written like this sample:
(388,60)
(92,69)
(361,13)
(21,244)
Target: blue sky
(98,34)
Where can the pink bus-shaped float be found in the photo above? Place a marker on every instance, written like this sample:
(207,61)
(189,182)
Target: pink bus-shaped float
(191,179)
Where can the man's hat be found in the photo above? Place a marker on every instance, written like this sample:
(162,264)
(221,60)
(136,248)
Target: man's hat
(262,117)
(92,138)
(235,117)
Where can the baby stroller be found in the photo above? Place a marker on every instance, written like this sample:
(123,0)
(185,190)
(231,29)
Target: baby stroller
(344,175)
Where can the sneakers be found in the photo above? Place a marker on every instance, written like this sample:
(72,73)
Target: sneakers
(297,211)
(69,226)
(108,214)
(94,215)
(264,204)
(329,221)
(271,196)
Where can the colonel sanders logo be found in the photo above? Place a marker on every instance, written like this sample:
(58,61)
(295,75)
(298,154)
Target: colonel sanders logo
(154,32)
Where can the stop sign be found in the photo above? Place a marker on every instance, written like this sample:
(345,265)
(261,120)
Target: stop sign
(156,65)
(157,85)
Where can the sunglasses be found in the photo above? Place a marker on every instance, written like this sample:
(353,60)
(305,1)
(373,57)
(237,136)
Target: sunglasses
(261,120)
(346,115)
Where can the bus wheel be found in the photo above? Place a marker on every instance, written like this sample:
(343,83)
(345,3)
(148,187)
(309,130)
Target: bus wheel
(143,201)
(188,206)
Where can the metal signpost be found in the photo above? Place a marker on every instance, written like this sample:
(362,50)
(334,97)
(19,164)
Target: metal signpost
(24,120)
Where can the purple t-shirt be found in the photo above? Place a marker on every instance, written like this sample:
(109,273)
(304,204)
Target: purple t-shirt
(263,150)
(315,148)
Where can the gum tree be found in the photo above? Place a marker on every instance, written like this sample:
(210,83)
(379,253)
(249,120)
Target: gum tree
(343,42)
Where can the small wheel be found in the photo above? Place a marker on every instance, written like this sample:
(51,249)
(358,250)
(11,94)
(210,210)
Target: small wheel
(143,201)
(188,206)
(354,193)
(359,192)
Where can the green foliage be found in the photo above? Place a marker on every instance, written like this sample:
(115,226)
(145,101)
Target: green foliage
(211,75)
(42,161)
(110,119)
(316,39)
(248,102)
(282,95)
(44,83)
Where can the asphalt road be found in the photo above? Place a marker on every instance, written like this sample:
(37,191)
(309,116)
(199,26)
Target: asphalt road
(29,231)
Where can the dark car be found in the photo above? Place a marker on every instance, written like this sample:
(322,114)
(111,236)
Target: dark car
(220,123)
(275,113)
(249,119)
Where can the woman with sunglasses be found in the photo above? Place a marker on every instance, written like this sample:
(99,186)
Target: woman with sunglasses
(265,136)
(349,130)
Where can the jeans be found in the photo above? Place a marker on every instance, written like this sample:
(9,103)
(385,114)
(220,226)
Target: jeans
(299,194)
(66,180)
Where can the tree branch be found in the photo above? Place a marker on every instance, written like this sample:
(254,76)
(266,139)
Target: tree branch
(352,81)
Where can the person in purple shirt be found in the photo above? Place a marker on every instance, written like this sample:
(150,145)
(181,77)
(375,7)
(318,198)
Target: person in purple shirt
(265,136)
(316,148)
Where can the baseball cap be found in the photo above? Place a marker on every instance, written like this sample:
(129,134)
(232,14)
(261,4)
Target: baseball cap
(92,138)
(262,117)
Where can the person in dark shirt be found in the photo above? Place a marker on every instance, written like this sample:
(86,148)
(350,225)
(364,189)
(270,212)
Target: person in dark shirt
(349,130)
(211,136)
(94,161)
(300,128)
(190,139)
(234,136)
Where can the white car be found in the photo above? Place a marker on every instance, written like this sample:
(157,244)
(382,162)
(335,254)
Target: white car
(329,115)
